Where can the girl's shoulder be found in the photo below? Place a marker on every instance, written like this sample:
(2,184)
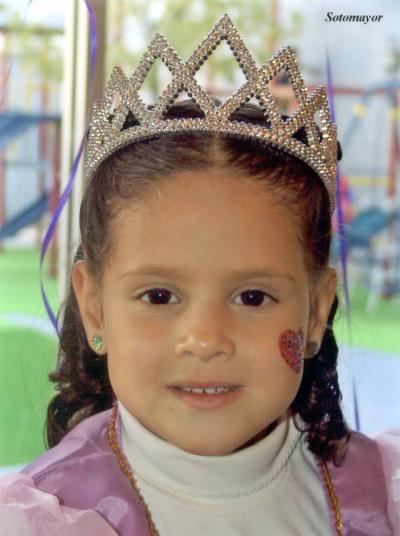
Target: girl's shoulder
(33,502)
(369,478)
(378,455)
(75,488)
(87,437)
(378,447)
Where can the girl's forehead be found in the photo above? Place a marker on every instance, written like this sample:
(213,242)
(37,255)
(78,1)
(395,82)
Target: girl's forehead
(204,220)
(198,190)
(206,202)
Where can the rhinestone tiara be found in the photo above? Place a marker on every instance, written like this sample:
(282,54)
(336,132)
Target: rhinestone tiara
(107,133)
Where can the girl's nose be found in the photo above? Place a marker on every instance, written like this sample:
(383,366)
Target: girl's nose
(205,338)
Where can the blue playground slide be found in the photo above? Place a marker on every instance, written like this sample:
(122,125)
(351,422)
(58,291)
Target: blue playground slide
(25,217)
(12,125)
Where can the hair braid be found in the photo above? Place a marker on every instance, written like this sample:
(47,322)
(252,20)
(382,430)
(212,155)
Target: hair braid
(318,399)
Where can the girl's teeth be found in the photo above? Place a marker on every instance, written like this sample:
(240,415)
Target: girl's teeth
(209,391)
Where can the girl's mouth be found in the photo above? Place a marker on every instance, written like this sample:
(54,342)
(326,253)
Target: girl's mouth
(207,398)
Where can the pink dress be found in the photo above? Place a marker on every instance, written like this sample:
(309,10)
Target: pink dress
(77,488)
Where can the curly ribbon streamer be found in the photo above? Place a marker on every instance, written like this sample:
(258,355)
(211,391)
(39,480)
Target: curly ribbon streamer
(339,205)
(66,193)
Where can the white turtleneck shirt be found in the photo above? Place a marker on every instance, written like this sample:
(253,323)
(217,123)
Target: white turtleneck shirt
(271,487)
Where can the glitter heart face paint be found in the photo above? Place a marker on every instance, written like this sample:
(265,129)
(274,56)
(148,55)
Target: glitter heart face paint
(291,346)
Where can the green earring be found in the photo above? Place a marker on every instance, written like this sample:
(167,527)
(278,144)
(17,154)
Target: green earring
(97,342)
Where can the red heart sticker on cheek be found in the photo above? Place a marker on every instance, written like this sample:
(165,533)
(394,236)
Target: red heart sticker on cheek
(291,346)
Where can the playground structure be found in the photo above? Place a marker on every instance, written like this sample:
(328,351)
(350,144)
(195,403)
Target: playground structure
(12,125)
(373,223)
(16,120)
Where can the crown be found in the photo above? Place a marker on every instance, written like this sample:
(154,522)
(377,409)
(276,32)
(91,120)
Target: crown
(107,133)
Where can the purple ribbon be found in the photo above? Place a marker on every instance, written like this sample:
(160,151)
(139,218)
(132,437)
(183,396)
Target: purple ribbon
(66,193)
(342,235)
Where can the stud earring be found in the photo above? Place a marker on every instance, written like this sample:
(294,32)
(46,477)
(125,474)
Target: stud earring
(313,348)
(97,342)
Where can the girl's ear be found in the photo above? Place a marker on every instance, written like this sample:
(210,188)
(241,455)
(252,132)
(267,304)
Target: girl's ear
(87,295)
(323,296)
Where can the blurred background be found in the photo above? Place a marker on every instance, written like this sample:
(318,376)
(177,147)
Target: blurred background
(44,81)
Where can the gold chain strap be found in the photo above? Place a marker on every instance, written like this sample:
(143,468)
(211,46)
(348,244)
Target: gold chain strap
(123,462)
(332,498)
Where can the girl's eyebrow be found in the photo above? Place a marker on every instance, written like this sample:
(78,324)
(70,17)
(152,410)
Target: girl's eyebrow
(176,272)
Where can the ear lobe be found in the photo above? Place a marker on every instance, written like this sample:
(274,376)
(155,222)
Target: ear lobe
(87,296)
(324,296)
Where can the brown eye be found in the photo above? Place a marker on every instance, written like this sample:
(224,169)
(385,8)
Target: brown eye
(254,297)
(157,296)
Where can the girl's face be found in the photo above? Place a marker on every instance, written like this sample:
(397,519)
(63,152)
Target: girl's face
(199,239)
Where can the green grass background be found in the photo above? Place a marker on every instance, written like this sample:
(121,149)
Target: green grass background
(27,356)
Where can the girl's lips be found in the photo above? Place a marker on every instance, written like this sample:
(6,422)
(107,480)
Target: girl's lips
(204,384)
(208,401)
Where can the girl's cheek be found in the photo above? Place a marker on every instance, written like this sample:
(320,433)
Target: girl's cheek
(291,346)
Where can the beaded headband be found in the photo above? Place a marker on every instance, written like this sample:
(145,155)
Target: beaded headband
(122,101)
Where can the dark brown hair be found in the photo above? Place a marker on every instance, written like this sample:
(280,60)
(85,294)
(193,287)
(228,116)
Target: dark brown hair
(126,176)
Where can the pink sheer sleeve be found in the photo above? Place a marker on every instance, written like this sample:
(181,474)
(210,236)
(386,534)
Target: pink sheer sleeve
(389,447)
(27,511)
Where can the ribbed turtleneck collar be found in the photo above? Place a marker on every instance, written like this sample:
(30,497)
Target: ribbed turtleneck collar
(168,467)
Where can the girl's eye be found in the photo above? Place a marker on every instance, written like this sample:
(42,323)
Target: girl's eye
(161,296)
(255,297)
(158,296)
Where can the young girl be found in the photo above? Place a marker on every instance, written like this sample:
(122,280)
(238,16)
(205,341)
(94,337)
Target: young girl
(197,380)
